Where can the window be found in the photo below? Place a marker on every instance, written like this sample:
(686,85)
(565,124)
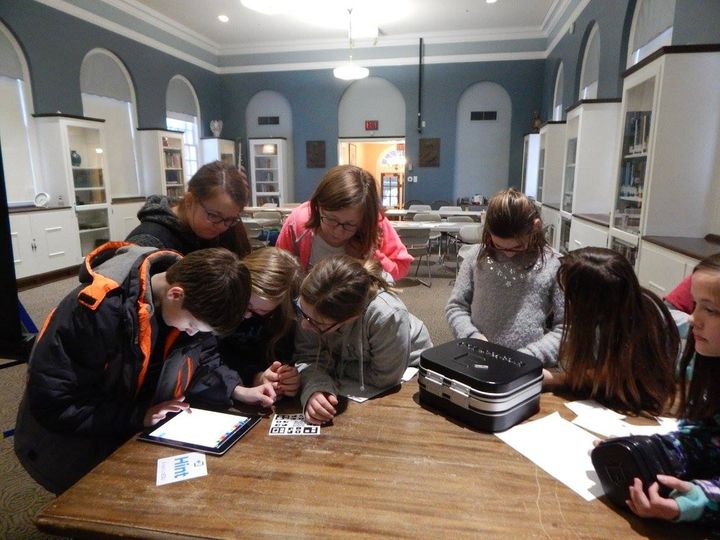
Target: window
(17,132)
(652,28)
(183,114)
(107,93)
(590,72)
(558,97)
(188,125)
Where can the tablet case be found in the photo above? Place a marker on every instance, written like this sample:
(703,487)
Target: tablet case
(617,461)
(485,385)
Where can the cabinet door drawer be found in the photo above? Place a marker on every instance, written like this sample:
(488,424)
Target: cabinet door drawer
(660,269)
(584,234)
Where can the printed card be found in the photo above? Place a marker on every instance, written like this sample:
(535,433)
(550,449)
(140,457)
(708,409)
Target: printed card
(292,424)
(181,467)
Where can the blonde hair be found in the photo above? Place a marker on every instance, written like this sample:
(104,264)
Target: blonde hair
(275,275)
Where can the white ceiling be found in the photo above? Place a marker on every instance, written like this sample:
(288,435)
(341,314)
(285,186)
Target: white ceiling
(448,21)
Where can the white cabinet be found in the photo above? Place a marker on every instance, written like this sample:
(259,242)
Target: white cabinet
(585,233)
(123,217)
(550,162)
(591,134)
(161,153)
(214,149)
(44,241)
(269,172)
(75,173)
(531,156)
(668,144)
(551,225)
(660,269)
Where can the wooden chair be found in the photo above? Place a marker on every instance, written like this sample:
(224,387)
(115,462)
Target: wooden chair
(417,242)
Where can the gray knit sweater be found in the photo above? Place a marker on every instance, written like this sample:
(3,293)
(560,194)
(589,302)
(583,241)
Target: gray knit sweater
(509,304)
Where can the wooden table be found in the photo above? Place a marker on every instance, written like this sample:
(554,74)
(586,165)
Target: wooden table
(386,468)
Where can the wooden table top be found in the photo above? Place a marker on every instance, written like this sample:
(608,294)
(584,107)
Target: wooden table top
(386,468)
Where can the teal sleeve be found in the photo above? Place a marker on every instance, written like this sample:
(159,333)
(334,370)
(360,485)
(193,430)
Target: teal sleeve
(692,504)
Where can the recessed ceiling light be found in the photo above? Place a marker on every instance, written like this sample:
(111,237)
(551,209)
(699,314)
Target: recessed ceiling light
(223,18)
(490,1)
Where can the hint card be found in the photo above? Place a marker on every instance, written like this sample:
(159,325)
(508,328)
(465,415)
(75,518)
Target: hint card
(181,467)
(292,424)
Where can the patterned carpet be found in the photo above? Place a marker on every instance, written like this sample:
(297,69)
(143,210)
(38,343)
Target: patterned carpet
(21,498)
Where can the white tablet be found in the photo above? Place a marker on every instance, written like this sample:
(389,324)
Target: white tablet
(200,430)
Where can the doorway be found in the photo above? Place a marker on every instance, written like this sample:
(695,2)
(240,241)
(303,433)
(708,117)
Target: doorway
(384,159)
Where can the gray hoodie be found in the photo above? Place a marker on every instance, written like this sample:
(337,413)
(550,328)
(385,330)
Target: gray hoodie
(386,337)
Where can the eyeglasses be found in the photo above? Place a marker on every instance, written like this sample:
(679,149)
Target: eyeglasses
(317,326)
(334,224)
(217,219)
(519,249)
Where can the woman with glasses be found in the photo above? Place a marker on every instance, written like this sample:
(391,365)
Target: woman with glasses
(260,349)
(355,334)
(506,291)
(208,215)
(344,216)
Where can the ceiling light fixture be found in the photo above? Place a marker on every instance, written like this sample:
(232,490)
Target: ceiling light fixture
(350,71)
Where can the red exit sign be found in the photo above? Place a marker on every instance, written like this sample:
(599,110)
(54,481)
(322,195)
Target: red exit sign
(371,125)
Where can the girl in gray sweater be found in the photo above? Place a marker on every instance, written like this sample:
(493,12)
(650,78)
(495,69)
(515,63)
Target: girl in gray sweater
(506,291)
(356,335)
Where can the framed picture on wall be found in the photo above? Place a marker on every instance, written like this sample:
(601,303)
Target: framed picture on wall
(315,154)
(429,155)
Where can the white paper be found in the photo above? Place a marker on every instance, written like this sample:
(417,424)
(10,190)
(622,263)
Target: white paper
(181,467)
(560,449)
(292,424)
(608,423)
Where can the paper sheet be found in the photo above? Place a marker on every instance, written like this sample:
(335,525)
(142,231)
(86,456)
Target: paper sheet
(608,423)
(559,448)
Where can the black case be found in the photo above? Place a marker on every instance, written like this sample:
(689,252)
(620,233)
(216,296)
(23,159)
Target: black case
(617,461)
(485,385)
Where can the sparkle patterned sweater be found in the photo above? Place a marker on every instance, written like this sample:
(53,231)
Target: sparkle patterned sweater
(511,301)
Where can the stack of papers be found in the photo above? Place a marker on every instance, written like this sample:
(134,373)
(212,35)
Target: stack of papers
(562,448)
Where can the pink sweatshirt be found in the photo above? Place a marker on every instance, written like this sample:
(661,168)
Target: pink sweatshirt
(297,239)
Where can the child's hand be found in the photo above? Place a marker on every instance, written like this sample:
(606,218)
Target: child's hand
(320,408)
(288,380)
(285,379)
(652,504)
(263,394)
(158,412)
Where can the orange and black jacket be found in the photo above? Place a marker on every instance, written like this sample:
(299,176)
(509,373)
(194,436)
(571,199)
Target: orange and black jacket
(92,355)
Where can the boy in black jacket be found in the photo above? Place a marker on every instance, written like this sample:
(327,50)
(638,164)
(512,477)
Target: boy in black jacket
(110,358)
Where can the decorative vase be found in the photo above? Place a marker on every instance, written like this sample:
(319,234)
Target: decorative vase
(216,127)
(75,158)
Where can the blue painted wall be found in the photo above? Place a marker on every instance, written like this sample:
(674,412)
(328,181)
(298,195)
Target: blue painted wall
(55,43)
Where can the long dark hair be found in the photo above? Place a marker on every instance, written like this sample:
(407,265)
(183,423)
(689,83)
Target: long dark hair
(346,186)
(619,343)
(699,395)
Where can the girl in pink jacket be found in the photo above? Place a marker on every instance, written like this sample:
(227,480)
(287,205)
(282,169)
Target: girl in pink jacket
(344,216)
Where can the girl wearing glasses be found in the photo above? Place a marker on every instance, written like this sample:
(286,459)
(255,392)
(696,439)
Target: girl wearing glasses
(356,335)
(208,215)
(344,216)
(506,291)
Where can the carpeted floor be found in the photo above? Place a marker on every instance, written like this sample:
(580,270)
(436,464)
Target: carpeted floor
(22,498)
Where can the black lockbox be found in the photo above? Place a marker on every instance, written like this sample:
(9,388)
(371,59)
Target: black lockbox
(485,385)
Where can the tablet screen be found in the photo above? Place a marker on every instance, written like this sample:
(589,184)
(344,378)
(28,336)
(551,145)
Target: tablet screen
(201,430)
